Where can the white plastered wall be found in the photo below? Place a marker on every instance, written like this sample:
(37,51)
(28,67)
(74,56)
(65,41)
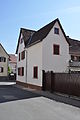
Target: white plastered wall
(21,63)
(34,59)
(4,64)
(56,63)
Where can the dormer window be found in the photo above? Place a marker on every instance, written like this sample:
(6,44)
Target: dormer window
(56,30)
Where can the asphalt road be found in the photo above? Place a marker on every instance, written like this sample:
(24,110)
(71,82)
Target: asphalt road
(20,104)
(11,93)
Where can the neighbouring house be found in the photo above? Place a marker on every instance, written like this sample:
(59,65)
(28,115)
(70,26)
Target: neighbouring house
(12,63)
(46,49)
(74,51)
(4,56)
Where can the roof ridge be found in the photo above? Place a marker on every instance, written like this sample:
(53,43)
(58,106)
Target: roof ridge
(4,49)
(12,54)
(27,29)
(48,24)
(40,34)
(73,39)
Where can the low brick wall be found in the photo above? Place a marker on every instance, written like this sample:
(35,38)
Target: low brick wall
(29,85)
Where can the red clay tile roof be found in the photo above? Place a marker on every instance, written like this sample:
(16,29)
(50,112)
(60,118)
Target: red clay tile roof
(13,58)
(74,46)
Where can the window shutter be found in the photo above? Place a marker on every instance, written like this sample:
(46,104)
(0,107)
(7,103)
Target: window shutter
(1,69)
(4,59)
(22,71)
(19,56)
(18,71)
(23,55)
(0,59)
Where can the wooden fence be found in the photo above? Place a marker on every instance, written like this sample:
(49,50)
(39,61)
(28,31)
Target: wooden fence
(67,83)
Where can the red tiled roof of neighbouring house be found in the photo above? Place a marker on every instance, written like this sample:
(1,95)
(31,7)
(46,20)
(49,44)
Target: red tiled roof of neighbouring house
(74,45)
(13,58)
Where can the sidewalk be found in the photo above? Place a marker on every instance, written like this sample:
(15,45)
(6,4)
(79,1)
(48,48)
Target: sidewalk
(74,101)
(71,100)
(7,83)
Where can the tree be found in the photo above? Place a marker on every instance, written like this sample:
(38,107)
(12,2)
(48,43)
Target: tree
(9,70)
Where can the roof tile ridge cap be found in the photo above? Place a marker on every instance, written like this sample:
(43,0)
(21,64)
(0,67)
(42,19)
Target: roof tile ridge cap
(48,24)
(26,29)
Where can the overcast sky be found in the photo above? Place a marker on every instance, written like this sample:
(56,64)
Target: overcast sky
(34,14)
